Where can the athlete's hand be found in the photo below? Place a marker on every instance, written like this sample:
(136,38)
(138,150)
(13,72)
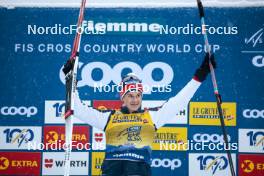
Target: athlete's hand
(202,72)
(68,67)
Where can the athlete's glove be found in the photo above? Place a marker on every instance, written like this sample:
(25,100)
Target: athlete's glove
(68,66)
(202,72)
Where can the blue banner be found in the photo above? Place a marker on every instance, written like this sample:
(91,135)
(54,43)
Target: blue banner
(163,46)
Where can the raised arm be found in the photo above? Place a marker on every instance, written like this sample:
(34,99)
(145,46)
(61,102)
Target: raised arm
(177,103)
(91,116)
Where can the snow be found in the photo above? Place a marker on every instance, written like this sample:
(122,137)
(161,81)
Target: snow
(130,3)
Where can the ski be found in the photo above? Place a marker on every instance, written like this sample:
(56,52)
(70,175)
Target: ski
(70,69)
(216,92)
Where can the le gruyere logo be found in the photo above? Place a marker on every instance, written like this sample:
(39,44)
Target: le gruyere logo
(206,113)
(170,138)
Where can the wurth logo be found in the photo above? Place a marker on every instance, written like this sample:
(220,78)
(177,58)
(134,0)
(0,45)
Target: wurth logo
(76,163)
(98,137)
(53,163)
(48,163)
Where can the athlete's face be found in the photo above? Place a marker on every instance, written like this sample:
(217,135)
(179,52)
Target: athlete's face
(132,100)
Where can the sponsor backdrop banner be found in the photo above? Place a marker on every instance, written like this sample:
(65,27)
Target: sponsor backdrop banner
(164,47)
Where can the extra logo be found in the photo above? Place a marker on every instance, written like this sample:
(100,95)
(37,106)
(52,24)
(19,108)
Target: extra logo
(54,136)
(4,163)
(19,137)
(251,165)
(20,162)
(54,112)
(19,111)
(251,140)
(253,113)
(209,164)
(166,163)
(53,163)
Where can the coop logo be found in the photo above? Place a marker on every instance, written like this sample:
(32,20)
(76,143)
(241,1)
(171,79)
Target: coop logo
(215,138)
(213,163)
(166,163)
(258,61)
(21,111)
(114,74)
(18,136)
(253,113)
(4,163)
(251,140)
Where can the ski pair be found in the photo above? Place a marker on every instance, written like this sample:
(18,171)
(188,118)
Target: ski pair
(70,70)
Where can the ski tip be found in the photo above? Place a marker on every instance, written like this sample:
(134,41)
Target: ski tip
(200,7)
